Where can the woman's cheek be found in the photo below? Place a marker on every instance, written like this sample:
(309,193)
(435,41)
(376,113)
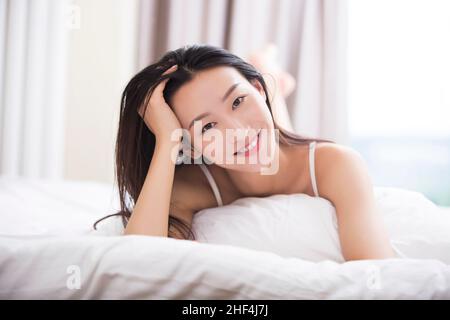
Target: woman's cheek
(260,112)
(211,151)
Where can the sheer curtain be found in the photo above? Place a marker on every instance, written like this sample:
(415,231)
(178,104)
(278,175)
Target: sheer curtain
(32,52)
(311,40)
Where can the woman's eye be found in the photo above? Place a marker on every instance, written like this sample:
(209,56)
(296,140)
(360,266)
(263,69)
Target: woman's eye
(206,127)
(238,102)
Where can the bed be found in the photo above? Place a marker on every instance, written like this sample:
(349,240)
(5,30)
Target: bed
(48,250)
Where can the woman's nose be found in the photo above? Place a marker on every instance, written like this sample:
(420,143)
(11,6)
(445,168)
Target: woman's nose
(238,135)
(237,125)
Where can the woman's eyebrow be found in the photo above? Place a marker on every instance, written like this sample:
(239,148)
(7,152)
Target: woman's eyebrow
(200,116)
(229,91)
(204,114)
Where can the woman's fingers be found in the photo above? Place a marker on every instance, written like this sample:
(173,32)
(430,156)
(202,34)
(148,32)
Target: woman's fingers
(157,94)
(172,68)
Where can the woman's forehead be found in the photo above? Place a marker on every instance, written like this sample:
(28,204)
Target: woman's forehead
(212,82)
(204,91)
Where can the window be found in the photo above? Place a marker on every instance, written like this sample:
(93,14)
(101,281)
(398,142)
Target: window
(399,92)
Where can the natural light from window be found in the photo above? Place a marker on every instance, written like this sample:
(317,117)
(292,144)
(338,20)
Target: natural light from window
(399,92)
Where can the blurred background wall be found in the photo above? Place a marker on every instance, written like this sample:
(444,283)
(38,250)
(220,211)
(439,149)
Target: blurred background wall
(102,58)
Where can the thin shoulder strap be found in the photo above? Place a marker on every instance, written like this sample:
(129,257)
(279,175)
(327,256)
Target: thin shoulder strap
(312,172)
(212,183)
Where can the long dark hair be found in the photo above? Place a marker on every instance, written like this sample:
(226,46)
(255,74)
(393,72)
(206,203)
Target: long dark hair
(135,143)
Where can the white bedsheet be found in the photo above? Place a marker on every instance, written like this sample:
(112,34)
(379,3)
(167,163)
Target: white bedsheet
(47,245)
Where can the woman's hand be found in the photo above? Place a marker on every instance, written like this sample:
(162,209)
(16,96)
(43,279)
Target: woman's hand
(159,117)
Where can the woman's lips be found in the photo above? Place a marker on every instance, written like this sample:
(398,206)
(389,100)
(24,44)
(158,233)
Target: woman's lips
(253,145)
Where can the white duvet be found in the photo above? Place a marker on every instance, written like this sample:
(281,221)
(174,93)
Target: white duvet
(48,250)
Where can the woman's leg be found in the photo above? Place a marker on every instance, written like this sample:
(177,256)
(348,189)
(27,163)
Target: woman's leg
(279,83)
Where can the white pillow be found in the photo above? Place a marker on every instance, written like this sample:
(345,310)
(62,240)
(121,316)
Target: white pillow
(302,226)
(295,225)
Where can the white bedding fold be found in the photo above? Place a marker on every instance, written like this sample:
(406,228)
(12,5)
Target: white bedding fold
(160,268)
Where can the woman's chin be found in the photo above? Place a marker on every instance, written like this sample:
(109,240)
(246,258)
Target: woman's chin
(254,163)
(244,167)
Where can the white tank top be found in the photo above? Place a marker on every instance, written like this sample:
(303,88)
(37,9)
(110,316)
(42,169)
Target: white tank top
(312,174)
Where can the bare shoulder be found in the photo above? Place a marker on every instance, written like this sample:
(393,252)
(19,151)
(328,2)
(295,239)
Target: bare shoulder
(189,192)
(335,165)
(327,151)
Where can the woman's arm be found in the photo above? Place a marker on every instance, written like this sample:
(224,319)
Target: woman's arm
(151,211)
(344,180)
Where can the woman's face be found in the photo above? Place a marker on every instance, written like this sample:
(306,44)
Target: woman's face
(223,113)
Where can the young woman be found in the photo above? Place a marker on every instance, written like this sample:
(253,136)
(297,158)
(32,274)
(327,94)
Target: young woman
(204,90)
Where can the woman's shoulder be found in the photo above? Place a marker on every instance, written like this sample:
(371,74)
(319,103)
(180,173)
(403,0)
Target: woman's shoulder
(333,160)
(327,152)
(190,189)
(188,195)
